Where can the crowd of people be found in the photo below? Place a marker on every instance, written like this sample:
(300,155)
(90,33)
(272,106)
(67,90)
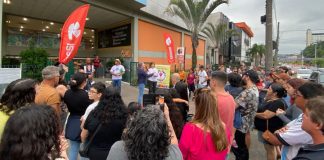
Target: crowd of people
(83,119)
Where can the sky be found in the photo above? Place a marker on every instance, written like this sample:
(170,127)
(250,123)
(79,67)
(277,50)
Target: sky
(295,17)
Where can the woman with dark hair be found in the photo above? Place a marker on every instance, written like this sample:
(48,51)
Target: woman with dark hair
(18,93)
(293,111)
(191,81)
(109,119)
(133,107)
(77,101)
(265,117)
(149,135)
(38,137)
(152,81)
(206,136)
(177,110)
(235,84)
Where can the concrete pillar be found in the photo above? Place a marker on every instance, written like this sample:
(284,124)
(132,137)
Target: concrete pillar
(1,36)
(135,38)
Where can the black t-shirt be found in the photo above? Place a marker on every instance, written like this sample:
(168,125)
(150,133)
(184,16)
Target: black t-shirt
(76,101)
(275,122)
(107,135)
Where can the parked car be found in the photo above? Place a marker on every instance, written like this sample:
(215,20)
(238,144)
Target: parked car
(317,77)
(321,69)
(304,73)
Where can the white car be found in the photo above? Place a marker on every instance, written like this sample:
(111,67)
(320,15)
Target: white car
(304,73)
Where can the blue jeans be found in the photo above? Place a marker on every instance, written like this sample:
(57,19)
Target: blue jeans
(73,150)
(141,87)
(117,84)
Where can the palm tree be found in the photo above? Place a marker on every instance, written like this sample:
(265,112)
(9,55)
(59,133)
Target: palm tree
(218,34)
(256,53)
(194,14)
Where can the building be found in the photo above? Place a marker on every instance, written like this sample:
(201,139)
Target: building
(240,42)
(313,37)
(132,29)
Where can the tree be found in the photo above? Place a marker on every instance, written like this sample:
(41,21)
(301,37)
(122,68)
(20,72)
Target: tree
(34,60)
(218,34)
(256,53)
(309,52)
(194,14)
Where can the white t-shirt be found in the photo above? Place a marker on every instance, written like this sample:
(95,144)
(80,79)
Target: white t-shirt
(155,74)
(202,77)
(91,107)
(293,139)
(117,69)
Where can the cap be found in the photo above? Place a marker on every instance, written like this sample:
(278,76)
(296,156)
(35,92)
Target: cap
(253,75)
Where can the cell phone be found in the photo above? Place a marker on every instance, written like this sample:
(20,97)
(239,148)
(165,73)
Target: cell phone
(161,102)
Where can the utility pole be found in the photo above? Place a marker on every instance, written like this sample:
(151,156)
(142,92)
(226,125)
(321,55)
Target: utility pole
(277,47)
(302,58)
(268,39)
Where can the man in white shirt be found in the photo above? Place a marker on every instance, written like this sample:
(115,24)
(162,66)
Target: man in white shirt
(202,76)
(152,80)
(117,72)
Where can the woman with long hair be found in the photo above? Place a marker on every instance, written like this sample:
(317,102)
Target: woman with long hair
(18,93)
(293,111)
(149,135)
(77,101)
(206,136)
(267,120)
(32,133)
(109,118)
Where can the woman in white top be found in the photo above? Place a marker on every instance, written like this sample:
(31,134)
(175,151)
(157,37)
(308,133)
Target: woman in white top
(152,80)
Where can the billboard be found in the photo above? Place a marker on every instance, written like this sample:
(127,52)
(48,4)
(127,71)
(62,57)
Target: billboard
(163,76)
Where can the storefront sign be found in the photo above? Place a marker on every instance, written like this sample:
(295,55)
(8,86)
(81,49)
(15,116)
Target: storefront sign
(180,54)
(115,37)
(71,34)
(170,48)
(163,76)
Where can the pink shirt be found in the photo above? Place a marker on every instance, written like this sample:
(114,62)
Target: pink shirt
(194,145)
(226,109)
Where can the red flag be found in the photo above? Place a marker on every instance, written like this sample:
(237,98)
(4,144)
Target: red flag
(170,48)
(72,32)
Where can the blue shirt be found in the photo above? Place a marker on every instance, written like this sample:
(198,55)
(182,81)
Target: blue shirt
(142,76)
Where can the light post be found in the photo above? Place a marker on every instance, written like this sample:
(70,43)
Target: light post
(316,55)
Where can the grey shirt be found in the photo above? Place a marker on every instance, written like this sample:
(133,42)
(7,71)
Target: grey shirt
(291,113)
(117,152)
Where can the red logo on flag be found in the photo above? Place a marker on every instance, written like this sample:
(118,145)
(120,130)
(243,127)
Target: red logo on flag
(170,48)
(71,33)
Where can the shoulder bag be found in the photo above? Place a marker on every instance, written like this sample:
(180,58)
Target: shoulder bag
(84,148)
(267,135)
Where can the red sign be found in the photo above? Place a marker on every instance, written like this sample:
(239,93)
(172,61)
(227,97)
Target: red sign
(170,48)
(72,32)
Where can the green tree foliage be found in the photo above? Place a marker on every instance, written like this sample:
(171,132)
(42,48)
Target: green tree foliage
(256,53)
(194,14)
(34,60)
(309,52)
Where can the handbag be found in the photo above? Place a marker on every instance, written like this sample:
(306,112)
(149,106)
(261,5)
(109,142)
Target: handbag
(84,148)
(267,135)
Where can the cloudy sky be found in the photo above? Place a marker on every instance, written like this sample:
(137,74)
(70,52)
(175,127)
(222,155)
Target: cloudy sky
(295,17)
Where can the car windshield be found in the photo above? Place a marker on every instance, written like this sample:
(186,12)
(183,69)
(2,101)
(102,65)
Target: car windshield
(304,71)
